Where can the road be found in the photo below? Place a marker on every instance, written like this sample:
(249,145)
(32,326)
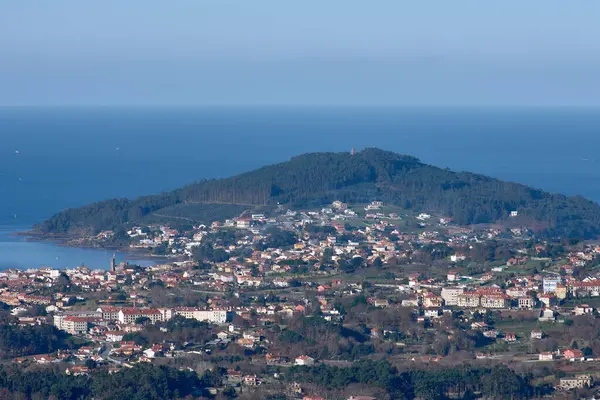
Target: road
(105,354)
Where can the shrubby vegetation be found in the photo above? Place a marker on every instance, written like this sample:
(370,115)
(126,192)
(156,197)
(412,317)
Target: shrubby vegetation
(320,339)
(320,178)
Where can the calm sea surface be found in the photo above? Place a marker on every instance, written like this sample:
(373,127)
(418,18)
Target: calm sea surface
(55,158)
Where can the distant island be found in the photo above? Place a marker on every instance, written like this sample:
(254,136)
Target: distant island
(316,179)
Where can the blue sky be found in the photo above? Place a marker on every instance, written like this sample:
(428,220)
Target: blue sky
(310,52)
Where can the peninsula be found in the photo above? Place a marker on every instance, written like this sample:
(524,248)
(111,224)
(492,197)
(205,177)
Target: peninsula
(363,275)
(317,179)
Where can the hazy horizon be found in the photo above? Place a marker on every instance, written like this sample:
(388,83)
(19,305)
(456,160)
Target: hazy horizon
(264,53)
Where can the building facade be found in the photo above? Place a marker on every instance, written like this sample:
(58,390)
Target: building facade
(468,300)
(450,295)
(130,315)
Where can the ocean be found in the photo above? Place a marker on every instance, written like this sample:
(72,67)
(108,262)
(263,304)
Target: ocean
(55,158)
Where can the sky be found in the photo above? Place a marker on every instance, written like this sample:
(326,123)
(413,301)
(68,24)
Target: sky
(310,52)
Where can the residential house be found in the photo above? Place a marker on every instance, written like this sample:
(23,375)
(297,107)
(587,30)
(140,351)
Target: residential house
(583,309)
(491,333)
(247,343)
(274,359)
(432,312)
(43,359)
(254,281)
(479,326)
(573,355)
(251,380)
(413,280)
(516,292)
(114,336)
(126,348)
(430,300)
(412,302)
(547,299)
(234,377)
(561,291)
(547,315)
(526,303)
(304,360)
(323,288)
(536,334)
(153,351)
(77,370)
(222,335)
(576,382)
(381,303)
(510,337)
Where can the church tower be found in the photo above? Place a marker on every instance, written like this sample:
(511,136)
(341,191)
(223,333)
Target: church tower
(113,264)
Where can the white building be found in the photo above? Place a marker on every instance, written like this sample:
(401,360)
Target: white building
(73,325)
(576,382)
(114,336)
(130,315)
(281,282)
(304,360)
(450,295)
(217,316)
(549,284)
(109,313)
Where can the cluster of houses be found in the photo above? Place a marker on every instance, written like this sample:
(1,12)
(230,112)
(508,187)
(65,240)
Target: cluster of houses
(379,238)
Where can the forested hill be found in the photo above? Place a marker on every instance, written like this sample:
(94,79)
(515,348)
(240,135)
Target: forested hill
(319,178)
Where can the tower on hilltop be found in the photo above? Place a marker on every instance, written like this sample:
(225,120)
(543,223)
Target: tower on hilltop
(353,151)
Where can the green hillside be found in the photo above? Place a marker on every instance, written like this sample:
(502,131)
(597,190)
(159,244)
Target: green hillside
(319,178)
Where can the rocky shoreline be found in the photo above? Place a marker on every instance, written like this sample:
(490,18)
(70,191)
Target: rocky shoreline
(83,243)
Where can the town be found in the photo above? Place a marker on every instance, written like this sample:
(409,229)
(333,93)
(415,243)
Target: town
(264,298)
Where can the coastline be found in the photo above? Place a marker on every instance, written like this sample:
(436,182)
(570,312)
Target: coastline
(70,241)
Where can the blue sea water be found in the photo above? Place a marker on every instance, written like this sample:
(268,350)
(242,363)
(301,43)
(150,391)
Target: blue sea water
(55,158)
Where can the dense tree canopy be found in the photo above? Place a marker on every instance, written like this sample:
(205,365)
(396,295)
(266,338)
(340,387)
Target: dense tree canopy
(139,382)
(497,382)
(277,238)
(17,341)
(320,178)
